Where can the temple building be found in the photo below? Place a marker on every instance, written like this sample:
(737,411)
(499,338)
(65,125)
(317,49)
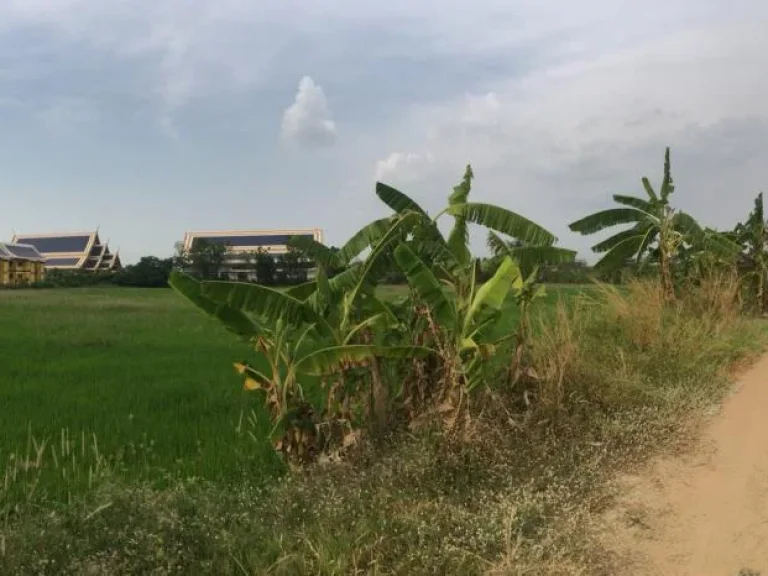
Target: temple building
(73,251)
(242,244)
(20,265)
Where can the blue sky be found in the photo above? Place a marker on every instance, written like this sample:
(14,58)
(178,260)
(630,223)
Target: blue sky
(151,117)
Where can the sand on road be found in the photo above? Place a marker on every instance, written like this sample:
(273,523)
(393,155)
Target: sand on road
(705,513)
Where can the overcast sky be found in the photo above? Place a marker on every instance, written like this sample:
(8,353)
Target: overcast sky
(151,117)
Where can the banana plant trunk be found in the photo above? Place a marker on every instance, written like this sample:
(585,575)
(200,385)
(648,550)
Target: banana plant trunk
(667,285)
(379,408)
(379,399)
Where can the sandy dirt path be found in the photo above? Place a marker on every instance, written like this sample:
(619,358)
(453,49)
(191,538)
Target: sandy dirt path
(705,513)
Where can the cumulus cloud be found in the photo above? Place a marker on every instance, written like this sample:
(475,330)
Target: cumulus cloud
(308,121)
(404,166)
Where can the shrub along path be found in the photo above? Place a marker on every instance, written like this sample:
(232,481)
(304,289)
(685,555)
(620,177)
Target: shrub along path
(705,512)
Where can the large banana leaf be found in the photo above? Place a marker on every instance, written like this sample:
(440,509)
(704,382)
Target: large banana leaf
(315,251)
(323,297)
(719,244)
(433,247)
(426,286)
(758,211)
(649,190)
(396,200)
(377,321)
(377,261)
(667,184)
(617,256)
(618,238)
(459,236)
(529,257)
(232,318)
(266,303)
(633,202)
(302,291)
(686,224)
(606,219)
(346,280)
(651,234)
(367,237)
(336,358)
(336,287)
(504,221)
(371,304)
(493,293)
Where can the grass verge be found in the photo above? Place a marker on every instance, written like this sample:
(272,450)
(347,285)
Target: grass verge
(618,375)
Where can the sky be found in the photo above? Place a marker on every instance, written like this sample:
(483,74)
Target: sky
(148,118)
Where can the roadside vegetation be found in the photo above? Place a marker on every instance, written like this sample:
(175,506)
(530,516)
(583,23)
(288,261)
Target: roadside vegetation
(466,423)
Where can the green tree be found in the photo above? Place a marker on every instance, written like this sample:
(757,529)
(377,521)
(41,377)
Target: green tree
(292,267)
(148,272)
(205,258)
(265,267)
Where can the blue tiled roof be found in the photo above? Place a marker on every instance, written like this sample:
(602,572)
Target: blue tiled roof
(22,251)
(55,244)
(247,241)
(62,261)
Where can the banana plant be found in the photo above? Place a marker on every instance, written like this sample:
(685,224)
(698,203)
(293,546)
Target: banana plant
(460,324)
(457,306)
(526,288)
(529,258)
(658,230)
(752,237)
(704,250)
(296,347)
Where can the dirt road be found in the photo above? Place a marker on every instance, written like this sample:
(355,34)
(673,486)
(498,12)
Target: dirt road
(705,513)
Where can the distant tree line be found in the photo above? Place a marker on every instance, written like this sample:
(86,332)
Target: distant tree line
(203,261)
(284,270)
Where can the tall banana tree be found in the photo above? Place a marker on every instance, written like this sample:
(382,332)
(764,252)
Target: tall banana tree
(752,237)
(656,228)
(442,275)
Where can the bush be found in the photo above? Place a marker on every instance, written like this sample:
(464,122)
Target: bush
(149,272)
(74,279)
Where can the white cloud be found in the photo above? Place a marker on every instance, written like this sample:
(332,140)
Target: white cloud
(404,167)
(308,121)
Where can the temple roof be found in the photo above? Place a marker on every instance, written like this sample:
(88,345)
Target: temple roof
(10,251)
(71,250)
